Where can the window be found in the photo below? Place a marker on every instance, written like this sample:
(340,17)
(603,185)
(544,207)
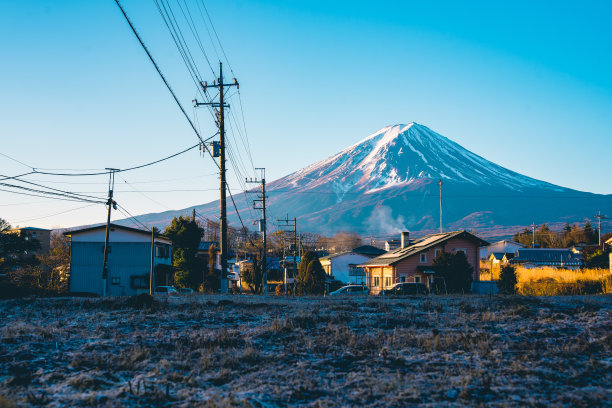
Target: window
(437,251)
(417,279)
(457,250)
(376,281)
(423,258)
(402,279)
(140,282)
(33,235)
(115,280)
(387,281)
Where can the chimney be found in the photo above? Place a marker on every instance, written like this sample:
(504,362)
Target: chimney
(405,240)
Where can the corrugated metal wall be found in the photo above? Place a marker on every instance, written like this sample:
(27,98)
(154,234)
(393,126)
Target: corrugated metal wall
(126,259)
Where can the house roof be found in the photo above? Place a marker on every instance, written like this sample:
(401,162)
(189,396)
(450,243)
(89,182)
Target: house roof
(112,226)
(501,255)
(205,245)
(609,242)
(548,256)
(420,245)
(368,250)
(507,241)
(27,229)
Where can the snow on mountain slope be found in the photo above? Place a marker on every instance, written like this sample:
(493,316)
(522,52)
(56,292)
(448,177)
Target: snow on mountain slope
(404,156)
(388,182)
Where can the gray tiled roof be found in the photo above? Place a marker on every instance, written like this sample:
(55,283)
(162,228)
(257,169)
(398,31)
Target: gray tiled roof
(419,245)
(548,256)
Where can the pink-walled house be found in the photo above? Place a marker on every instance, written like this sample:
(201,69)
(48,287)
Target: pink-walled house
(412,261)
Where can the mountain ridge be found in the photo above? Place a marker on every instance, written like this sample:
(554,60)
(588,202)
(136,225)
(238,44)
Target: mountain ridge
(388,182)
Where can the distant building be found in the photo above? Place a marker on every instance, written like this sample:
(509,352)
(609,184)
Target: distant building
(505,246)
(43,236)
(548,257)
(412,261)
(392,244)
(129,260)
(344,266)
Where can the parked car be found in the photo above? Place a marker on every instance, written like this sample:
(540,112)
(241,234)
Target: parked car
(351,290)
(405,289)
(185,291)
(166,291)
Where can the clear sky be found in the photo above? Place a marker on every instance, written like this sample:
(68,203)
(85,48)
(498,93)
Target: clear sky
(524,84)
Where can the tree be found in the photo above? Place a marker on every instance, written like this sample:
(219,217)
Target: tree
(301,278)
(314,280)
(590,234)
(14,248)
(57,263)
(212,279)
(507,279)
(456,271)
(185,235)
(253,276)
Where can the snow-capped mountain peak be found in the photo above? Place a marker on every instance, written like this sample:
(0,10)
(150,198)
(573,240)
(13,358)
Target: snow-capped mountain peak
(403,155)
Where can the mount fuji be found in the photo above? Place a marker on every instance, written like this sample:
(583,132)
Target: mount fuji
(388,182)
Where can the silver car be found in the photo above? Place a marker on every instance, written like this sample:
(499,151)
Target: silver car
(351,290)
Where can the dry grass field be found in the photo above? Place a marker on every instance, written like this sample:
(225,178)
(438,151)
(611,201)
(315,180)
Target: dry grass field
(557,282)
(249,351)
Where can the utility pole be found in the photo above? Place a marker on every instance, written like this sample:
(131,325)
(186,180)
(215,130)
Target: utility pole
(262,223)
(287,222)
(111,204)
(221,105)
(440,184)
(599,217)
(151,277)
(533,227)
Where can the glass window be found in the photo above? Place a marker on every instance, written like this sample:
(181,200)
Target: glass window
(402,279)
(417,279)
(387,281)
(115,280)
(376,281)
(423,258)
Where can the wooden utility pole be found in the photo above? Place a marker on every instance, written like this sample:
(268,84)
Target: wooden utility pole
(262,223)
(440,184)
(599,217)
(223,188)
(151,272)
(287,222)
(111,204)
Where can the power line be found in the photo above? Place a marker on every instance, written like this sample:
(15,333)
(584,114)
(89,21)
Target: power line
(54,214)
(159,71)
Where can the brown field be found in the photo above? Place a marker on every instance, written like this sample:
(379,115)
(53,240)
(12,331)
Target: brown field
(251,351)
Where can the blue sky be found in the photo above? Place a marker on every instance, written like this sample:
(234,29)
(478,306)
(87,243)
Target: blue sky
(523,84)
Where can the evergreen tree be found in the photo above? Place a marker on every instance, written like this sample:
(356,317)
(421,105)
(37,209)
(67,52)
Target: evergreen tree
(314,280)
(456,271)
(308,257)
(589,234)
(185,235)
(507,279)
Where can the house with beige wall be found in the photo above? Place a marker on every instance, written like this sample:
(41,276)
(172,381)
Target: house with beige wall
(413,260)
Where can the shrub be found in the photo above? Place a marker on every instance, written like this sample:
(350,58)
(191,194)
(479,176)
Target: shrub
(507,279)
(456,271)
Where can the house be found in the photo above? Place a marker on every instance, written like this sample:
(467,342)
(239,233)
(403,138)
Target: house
(548,257)
(344,267)
(412,261)
(43,236)
(129,260)
(499,259)
(392,244)
(609,242)
(505,246)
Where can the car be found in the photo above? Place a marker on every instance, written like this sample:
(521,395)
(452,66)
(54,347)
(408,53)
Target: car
(166,291)
(405,289)
(185,291)
(351,290)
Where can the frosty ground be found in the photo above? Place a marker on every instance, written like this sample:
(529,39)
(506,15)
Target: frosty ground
(274,351)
